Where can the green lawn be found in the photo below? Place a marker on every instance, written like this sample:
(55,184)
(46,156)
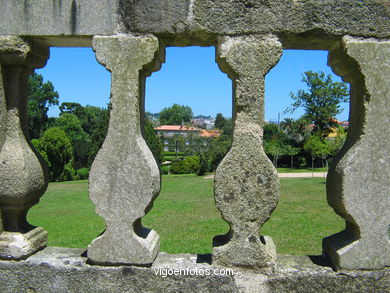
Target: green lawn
(186,218)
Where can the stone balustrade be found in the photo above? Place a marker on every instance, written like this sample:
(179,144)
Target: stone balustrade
(246,184)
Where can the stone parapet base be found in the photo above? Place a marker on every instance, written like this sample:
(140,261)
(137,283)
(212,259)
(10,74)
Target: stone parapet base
(15,245)
(57,269)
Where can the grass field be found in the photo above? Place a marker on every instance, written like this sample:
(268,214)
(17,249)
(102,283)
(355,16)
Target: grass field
(186,218)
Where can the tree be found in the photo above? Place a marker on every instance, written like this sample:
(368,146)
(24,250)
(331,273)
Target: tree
(56,148)
(71,108)
(96,125)
(40,95)
(177,143)
(218,149)
(203,165)
(276,148)
(94,122)
(176,115)
(227,128)
(322,100)
(269,131)
(80,140)
(291,151)
(336,143)
(296,130)
(153,141)
(317,147)
(219,121)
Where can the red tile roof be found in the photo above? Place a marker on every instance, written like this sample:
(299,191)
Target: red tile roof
(176,128)
(210,133)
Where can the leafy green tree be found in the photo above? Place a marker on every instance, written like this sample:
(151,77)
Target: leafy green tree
(72,108)
(177,143)
(203,165)
(153,141)
(227,128)
(275,142)
(41,95)
(56,148)
(336,144)
(198,145)
(187,165)
(98,121)
(269,131)
(317,146)
(322,100)
(291,151)
(94,122)
(80,140)
(218,150)
(296,130)
(219,121)
(176,115)
(276,148)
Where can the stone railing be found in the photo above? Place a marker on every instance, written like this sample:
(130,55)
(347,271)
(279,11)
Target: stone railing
(246,183)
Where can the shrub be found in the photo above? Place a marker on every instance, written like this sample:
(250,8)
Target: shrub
(68,174)
(56,148)
(172,153)
(169,158)
(203,166)
(83,173)
(187,166)
(165,170)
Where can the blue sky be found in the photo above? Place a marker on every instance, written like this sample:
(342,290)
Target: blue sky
(189,76)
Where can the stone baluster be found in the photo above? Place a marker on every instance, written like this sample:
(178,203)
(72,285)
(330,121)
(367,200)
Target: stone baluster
(358,178)
(125,178)
(246,182)
(23,175)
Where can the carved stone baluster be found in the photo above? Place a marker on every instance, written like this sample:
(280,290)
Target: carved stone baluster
(23,177)
(246,182)
(359,177)
(125,177)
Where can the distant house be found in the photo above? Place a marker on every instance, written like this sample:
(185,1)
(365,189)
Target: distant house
(207,123)
(343,124)
(168,131)
(210,133)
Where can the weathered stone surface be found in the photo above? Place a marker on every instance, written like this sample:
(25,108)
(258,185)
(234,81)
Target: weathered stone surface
(64,270)
(14,245)
(23,179)
(179,21)
(358,179)
(124,177)
(246,182)
(332,17)
(58,17)
(197,22)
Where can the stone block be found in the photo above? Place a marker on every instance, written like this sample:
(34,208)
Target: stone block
(125,178)
(17,246)
(359,176)
(246,182)
(23,174)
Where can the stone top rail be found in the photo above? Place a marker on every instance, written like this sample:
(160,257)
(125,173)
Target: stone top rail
(129,38)
(304,24)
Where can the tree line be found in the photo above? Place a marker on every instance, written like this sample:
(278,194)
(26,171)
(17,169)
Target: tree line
(70,142)
(311,140)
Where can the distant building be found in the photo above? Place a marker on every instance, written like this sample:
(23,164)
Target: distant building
(168,131)
(207,123)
